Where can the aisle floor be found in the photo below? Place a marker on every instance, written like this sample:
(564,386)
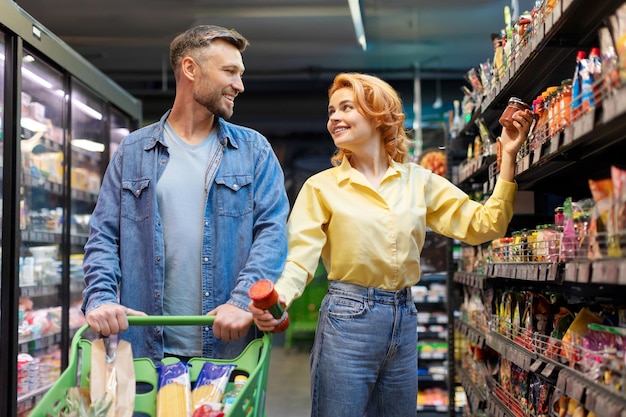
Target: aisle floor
(288,393)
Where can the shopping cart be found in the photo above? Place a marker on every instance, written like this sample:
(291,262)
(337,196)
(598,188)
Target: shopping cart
(254,361)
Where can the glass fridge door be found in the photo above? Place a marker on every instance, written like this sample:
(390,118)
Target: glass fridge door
(2,123)
(121,126)
(43,120)
(87,149)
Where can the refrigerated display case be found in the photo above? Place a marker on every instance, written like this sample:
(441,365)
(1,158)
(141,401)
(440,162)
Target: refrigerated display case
(60,120)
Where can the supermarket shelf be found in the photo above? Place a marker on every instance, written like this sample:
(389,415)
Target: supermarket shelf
(476,395)
(472,333)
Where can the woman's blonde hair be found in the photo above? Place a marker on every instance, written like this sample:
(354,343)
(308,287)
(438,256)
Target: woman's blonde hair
(376,100)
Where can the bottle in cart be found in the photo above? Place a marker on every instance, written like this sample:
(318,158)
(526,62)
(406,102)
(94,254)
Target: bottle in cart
(229,397)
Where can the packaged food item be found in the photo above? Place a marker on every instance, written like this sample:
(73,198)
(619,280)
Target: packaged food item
(211,384)
(618,212)
(174,390)
(573,337)
(539,396)
(265,297)
(207,411)
(602,193)
(514,104)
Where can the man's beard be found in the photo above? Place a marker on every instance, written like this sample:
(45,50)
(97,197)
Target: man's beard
(214,105)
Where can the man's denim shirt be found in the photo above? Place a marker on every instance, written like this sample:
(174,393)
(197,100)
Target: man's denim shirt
(244,237)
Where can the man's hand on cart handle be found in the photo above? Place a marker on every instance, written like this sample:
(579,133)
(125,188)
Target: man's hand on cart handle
(110,318)
(231,322)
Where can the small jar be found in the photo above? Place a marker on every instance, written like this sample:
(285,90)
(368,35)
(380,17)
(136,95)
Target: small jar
(559,217)
(515,104)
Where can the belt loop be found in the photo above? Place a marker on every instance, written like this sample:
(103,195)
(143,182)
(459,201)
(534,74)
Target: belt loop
(370,296)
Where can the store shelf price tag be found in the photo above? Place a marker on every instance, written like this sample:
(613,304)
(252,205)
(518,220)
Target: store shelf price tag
(554,144)
(547,371)
(585,125)
(535,366)
(620,104)
(591,399)
(561,382)
(568,135)
(552,272)
(575,389)
(565,4)
(621,278)
(584,271)
(571,272)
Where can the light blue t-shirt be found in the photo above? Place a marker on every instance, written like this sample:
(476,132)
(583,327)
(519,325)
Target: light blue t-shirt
(181,198)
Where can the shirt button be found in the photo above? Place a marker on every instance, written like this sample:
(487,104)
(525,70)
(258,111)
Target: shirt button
(157,330)
(158,258)
(206,329)
(235,186)
(158,294)
(206,259)
(206,294)
(206,223)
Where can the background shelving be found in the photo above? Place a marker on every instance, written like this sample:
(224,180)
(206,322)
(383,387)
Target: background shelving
(504,368)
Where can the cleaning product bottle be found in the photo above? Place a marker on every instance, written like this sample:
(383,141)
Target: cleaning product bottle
(577,97)
(586,85)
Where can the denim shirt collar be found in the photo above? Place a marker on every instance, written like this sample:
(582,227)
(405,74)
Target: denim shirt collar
(224,135)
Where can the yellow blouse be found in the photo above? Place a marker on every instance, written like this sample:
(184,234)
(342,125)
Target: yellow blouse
(374,237)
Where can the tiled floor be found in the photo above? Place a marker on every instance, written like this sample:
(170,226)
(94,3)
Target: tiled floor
(288,393)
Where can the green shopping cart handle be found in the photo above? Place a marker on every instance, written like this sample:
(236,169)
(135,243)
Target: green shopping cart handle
(169,320)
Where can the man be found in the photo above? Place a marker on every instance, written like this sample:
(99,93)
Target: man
(192,211)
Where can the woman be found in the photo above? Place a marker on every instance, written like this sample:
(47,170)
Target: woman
(367,219)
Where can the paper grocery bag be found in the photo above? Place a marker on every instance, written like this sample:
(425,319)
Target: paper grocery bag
(114,378)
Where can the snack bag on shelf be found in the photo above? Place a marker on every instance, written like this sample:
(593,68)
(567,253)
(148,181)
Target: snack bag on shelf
(562,321)
(618,212)
(618,23)
(602,193)
(573,337)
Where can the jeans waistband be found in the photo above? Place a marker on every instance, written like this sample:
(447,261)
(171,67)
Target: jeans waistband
(371,294)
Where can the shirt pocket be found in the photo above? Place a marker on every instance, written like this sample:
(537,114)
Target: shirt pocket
(234,195)
(136,199)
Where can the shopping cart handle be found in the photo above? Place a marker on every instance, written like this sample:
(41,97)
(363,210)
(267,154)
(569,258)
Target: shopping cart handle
(169,320)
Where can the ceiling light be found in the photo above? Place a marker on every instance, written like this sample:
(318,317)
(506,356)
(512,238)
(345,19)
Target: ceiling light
(87,110)
(36,78)
(88,145)
(357,20)
(32,125)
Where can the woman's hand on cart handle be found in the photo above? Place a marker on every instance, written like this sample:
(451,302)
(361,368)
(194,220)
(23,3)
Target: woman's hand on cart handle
(264,319)
(110,318)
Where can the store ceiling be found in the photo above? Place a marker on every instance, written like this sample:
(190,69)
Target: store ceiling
(292,41)
(128,39)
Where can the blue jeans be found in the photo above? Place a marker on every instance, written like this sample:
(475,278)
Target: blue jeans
(364,358)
